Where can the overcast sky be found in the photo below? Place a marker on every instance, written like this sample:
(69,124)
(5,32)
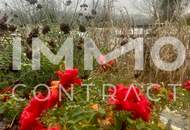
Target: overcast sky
(131,5)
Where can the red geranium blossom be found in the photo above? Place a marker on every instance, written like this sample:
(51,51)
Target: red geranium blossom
(186,85)
(130,99)
(69,77)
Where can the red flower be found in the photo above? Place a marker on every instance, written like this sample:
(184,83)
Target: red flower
(54,128)
(69,77)
(170,96)
(31,113)
(130,99)
(156,88)
(102,59)
(54,97)
(105,66)
(29,117)
(6,90)
(186,85)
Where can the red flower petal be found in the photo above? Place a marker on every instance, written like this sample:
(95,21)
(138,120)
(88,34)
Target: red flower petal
(30,115)
(126,99)
(186,85)
(69,77)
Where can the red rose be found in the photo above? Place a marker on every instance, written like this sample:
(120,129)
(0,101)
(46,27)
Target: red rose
(30,115)
(130,99)
(186,85)
(28,120)
(33,111)
(170,96)
(156,88)
(69,77)
(54,97)
(105,66)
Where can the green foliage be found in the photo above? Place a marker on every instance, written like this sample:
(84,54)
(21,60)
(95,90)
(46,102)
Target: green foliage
(79,113)
(12,108)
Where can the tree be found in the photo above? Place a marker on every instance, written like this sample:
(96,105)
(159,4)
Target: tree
(170,9)
(163,10)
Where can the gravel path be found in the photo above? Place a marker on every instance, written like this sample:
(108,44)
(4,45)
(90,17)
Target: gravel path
(177,121)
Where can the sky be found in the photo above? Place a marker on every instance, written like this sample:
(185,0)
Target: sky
(131,5)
